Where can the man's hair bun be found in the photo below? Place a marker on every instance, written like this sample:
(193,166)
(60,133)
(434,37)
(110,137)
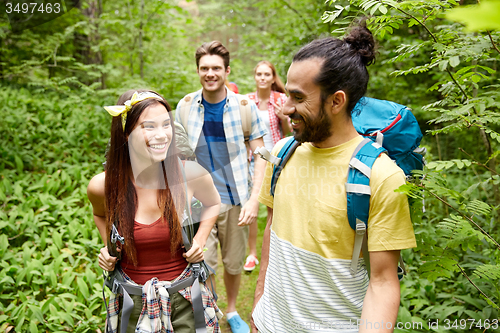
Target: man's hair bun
(361,40)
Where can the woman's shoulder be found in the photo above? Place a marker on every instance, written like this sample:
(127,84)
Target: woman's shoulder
(95,189)
(194,170)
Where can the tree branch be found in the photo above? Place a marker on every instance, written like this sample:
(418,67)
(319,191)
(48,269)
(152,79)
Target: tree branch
(435,40)
(477,162)
(492,41)
(298,14)
(480,291)
(463,215)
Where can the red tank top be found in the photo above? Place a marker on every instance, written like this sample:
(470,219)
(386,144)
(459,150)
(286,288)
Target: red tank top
(154,257)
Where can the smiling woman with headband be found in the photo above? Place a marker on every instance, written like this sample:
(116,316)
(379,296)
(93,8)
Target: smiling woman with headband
(140,201)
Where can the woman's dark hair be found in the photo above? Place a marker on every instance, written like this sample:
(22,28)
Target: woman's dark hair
(120,193)
(343,63)
(278,84)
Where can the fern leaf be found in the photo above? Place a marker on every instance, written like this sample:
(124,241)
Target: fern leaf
(478,207)
(489,272)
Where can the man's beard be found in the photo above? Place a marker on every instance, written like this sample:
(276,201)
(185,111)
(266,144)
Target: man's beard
(315,130)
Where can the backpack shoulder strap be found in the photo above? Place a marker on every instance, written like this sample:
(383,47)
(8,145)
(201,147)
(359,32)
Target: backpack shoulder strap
(187,221)
(284,154)
(358,192)
(246,115)
(185,107)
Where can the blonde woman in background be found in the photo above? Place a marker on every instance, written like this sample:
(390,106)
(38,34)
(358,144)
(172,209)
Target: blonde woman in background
(270,98)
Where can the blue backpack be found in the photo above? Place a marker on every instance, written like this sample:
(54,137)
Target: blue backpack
(389,128)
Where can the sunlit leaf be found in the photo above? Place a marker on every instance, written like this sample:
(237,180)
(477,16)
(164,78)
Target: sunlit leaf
(485,16)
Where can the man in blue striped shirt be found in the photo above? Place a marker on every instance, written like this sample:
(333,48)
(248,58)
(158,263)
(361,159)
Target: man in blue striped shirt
(215,132)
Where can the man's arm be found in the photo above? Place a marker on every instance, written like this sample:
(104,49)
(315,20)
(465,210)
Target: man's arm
(250,209)
(381,302)
(264,261)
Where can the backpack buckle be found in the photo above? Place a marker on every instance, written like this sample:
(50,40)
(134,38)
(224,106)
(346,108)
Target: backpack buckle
(196,269)
(115,236)
(198,272)
(360,227)
(264,153)
(116,287)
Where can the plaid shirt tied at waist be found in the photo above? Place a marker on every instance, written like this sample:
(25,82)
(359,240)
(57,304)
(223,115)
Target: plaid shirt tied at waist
(156,307)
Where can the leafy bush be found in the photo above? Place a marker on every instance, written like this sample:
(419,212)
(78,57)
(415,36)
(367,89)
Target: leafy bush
(51,148)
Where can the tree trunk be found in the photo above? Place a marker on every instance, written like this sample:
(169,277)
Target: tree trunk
(84,43)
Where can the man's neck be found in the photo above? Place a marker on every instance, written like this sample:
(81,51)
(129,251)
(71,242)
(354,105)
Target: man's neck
(341,133)
(214,97)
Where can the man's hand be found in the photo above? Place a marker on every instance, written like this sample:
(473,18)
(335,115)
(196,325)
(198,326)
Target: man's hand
(106,261)
(249,212)
(195,253)
(253,327)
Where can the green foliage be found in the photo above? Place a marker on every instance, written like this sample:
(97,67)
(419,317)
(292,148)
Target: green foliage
(49,243)
(56,77)
(255,30)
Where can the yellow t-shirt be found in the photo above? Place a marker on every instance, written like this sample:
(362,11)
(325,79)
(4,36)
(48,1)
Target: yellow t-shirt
(310,202)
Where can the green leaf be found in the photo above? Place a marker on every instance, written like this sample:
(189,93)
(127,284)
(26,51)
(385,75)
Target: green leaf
(20,322)
(450,310)
(432,165)
(478,303)
(67,318)
(374,8)
(53,310)
(43,239)
(84,289)
(57,238)
(19,163)
(454,61)
(36,313)
(443,64)
(4,243)
(33,327)
(68,278)
(22,296)
(475,78)
(459,163)
(404,315)
(485,16)
(473,315)
(53,279)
